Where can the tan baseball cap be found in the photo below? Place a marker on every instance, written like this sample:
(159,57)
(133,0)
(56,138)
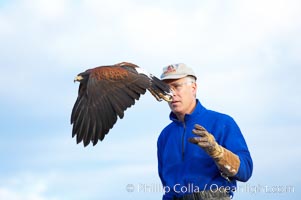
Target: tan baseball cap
(176,71)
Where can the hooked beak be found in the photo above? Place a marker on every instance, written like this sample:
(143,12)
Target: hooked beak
(78,78)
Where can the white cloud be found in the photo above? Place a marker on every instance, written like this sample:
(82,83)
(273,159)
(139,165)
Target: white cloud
(56,168)
(26,187)
(48,10)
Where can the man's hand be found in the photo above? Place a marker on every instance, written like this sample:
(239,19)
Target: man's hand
(206,141)
(225,160)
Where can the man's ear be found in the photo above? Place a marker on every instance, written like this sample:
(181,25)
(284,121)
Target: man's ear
(194,88)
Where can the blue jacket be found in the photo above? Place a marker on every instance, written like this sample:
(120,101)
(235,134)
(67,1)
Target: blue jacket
(185,167)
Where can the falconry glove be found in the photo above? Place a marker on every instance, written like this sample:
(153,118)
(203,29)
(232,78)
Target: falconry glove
(225,160)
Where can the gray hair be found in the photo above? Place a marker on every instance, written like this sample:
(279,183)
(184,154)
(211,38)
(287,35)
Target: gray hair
(191,78)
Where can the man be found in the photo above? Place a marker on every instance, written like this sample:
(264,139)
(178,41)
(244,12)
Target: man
(201,153)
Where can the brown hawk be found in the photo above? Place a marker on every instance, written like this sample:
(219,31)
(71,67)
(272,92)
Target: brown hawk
(105,92)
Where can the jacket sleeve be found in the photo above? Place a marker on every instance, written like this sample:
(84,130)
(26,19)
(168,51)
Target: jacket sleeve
(234,141)
(159,157)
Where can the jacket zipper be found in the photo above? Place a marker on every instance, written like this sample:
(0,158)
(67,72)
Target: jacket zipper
(183,140)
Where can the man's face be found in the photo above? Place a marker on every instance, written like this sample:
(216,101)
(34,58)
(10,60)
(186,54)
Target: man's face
(184,92)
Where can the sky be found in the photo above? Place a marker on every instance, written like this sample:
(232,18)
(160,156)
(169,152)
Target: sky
(246,55)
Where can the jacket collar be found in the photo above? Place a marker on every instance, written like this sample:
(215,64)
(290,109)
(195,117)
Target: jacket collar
(199,108)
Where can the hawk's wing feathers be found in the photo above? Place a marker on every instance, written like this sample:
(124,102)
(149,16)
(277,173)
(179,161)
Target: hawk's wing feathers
(105,93)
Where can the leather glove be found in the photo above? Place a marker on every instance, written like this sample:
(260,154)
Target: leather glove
(225,160)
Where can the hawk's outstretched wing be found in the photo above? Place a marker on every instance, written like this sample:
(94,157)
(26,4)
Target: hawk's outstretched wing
(106,92)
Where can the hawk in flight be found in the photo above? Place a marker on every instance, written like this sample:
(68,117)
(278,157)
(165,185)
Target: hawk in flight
(105,92)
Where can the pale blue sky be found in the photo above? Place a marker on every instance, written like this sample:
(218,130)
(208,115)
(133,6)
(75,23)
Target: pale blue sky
(246,55)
